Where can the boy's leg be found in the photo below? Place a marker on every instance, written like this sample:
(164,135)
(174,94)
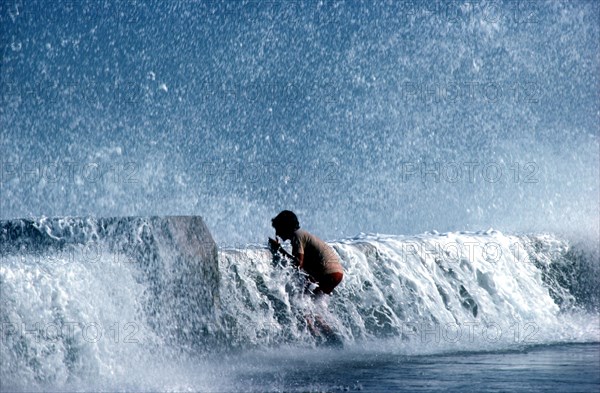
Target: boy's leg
(329,282)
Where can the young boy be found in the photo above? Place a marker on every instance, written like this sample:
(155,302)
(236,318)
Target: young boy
(309,252)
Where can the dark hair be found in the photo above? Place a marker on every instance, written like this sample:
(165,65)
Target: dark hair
(286,221)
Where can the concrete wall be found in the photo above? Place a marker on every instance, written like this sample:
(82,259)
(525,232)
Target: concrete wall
(176,255)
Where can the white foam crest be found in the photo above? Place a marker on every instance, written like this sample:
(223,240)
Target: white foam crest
(69,320)
(428,293)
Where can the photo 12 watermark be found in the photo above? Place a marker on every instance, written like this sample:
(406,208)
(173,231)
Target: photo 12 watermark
(468,92)
(90,332)
(469,172)
(470,332)
(273,172)
(515,13)
(69,172)
(455,252)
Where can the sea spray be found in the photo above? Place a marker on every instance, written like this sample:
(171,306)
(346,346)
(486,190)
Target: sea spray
(71,319)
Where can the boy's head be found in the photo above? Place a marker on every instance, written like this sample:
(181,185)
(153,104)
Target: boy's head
(285,224)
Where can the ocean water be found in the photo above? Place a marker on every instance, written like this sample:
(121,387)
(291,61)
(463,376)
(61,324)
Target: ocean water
(565,368)
(460,311)
(448,151)
(568,368)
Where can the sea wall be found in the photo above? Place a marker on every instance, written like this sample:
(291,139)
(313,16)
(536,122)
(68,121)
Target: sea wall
(175,257)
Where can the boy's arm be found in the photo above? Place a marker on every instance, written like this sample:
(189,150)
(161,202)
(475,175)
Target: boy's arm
(298,251)
(298,259)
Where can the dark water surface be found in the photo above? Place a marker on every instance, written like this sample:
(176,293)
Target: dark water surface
(564,368)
